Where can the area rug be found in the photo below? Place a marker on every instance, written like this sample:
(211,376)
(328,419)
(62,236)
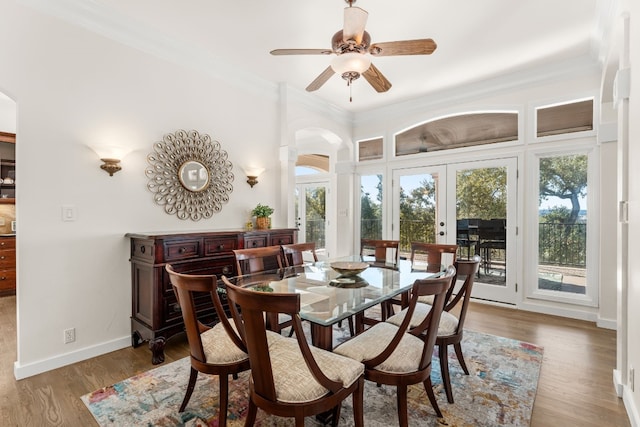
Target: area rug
(499,392)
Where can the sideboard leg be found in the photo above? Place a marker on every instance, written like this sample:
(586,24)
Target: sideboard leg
(156,346)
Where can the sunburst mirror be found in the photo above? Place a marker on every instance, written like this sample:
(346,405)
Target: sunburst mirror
(190,175)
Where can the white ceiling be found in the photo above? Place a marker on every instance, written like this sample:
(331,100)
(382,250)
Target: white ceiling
(477,40)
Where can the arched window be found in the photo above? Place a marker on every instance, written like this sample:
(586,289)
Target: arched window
(459,131)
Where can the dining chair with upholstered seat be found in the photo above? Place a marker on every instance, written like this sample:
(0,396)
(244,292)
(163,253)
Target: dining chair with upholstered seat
(216,350)
(288,377)
(294,254)
(451,328)
(397,355)
(430,257)
(383,252)
(256,260)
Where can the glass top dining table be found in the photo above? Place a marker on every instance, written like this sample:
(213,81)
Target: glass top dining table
(327,297)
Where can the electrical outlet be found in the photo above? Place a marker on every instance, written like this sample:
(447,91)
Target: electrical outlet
(69,335)
(631,377)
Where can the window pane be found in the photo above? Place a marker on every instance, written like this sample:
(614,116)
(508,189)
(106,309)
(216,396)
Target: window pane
(315,216)
(481,220)
(565,118)
(417,209)
(458,131)
(562,224)
(370,149)
(371,207)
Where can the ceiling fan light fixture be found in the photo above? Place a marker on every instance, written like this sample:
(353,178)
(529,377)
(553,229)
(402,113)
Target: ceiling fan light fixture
(351,62)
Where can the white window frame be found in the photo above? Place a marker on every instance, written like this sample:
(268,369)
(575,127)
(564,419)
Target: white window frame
(585,146)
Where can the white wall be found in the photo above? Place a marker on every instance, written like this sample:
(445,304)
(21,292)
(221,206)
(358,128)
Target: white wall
(7,114)
(75,89)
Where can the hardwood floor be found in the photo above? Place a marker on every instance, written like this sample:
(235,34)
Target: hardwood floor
(575,388)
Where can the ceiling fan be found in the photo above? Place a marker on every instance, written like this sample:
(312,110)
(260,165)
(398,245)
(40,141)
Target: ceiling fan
(353,49)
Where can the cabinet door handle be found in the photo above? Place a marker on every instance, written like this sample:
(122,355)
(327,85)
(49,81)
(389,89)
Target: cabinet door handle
(2,257)
(182,250)
(2,243)
(221,247)
(143,249)
(3,278)
(226,269)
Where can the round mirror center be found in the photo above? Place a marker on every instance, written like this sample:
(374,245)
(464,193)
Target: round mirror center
(194,176)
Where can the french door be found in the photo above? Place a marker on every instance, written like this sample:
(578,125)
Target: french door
(310,211)
(471,204)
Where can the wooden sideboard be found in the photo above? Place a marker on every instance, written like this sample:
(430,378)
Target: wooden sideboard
(155,312)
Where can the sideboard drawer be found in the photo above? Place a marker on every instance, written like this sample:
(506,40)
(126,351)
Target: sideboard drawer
(8,243)
(281,239)
(220,245)
(7,260)
(255,242)
(184,249)
(143,249)
(7,279)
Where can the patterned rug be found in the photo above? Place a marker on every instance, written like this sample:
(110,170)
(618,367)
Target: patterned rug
(499,392)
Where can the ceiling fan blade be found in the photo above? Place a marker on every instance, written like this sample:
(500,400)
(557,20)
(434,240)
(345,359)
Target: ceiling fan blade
(355,20)
(377,79)
(321,79)
(301,52)
(405,47)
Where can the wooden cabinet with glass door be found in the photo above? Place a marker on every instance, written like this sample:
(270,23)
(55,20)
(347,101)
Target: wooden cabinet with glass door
(7,167)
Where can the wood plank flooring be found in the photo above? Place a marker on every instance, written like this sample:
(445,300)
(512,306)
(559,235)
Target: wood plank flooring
(575,388)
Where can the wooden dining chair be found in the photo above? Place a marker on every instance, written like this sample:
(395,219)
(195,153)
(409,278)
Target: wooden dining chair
(290,379)
(397,355)
(294,253)
(256,260)
(424,257)
(385,254)
(429,256)
(382,251)
(451,328)
(216,350)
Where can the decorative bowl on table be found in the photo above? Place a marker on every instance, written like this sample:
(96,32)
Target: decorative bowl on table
(347,269)
(349,282)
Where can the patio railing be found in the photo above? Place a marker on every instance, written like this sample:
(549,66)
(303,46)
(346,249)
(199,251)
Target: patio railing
(559,244)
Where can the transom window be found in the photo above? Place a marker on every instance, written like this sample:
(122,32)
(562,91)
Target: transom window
(459,131)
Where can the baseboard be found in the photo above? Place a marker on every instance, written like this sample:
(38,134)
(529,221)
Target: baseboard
(607,323)
(632,410)
(35,368)
(617,382)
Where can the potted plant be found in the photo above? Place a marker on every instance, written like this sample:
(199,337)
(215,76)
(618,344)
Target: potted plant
(262,214)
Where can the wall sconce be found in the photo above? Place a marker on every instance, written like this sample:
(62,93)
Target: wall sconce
(110,157)
(111,166)
(252,175)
